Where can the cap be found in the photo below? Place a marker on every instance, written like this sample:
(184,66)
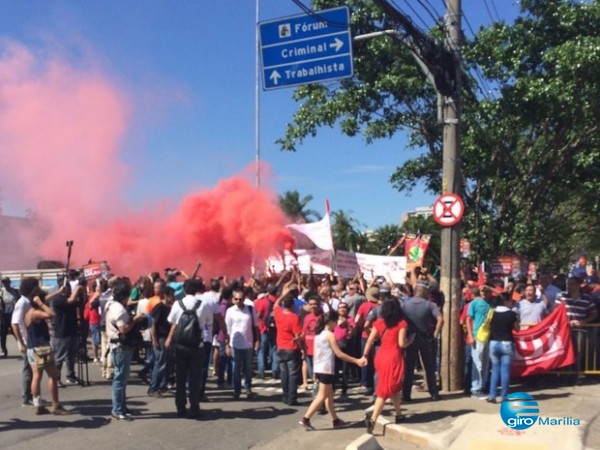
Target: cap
(372,294)
(384,288)
(5,280)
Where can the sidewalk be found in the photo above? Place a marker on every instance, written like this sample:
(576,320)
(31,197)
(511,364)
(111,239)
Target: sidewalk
(460,422)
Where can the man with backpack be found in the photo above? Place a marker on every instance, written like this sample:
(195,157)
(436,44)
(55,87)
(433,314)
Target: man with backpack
(188,318)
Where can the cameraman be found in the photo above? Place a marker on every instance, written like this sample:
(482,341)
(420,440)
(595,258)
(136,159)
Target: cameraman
(118,325)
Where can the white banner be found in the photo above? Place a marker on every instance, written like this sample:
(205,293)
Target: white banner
(347,264)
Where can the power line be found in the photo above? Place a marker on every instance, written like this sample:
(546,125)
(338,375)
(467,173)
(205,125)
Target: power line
(414,12)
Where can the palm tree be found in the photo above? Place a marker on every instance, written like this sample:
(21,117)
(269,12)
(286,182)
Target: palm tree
(382,239)
(295,208)
(345,233)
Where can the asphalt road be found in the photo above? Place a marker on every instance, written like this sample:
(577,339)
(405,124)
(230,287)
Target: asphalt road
(263,423)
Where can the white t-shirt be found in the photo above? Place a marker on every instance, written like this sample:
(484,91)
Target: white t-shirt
(323,356)
(141,309)
(239,326)
(18,316)
(203,312)
(211,299)
(116,316)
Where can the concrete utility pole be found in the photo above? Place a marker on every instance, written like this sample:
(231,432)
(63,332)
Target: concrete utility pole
(452,336)
(442,66)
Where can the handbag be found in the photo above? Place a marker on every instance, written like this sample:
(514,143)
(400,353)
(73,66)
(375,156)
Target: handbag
(43,356)
(485,330)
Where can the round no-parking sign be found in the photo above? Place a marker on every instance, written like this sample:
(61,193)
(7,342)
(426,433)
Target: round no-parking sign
(448,209)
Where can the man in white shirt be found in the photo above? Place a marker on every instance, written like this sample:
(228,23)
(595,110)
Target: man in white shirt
(211,300)
(18,326)
(241,322)
(189,361)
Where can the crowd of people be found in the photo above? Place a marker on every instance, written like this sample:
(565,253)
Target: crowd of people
(305,331)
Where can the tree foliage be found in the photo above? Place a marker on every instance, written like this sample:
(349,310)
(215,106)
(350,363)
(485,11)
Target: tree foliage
(530,139)
(295,207)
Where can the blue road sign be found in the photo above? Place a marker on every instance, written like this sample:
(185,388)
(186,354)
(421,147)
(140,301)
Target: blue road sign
(306,48)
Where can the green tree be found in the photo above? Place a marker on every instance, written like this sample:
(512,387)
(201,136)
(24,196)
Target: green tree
(382,239)
(295,207)
(530,139)
(346,235)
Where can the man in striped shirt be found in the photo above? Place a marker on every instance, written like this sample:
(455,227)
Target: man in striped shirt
(580,311)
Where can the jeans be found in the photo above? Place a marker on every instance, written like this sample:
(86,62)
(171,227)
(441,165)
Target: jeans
(502,354)
(121,358)
(205,364)
(224,367)
(426,347)
(188,370)
(268,348)
(158,381)
(4,329)
(242,360)
(468,370)
(65,349)
(26,376)
(367,373)
(481,364)
(149,359)
(290,362)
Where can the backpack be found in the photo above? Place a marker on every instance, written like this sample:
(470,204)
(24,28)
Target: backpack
(188,332)
(270,318)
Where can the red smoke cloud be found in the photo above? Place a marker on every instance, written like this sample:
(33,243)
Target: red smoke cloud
(61,128)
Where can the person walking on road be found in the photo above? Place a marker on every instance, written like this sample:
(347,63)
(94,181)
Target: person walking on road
(390,329)
(325,351)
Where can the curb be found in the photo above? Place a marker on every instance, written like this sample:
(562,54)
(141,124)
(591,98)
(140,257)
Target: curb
(364,442)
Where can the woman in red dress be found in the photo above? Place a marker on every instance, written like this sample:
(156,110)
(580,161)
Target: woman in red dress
(390,329)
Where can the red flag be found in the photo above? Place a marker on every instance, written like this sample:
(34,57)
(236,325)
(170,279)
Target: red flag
(481,274)
(544,347)
(416,247)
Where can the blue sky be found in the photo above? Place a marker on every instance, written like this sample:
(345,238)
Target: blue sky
(189,69)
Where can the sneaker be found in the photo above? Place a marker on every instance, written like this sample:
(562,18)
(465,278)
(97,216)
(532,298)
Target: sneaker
(27,403)
(401,418)
(478,395)
(154,394)
(72,380)
(369,423)
(60,384)
(249,395)
(339,423)
(306,423)
(124,417)
(60,411)
(490,400)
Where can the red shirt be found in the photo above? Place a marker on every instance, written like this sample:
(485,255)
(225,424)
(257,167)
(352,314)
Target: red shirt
(309,327)
(262,306)
(363,311)
(91,314)
(288,327)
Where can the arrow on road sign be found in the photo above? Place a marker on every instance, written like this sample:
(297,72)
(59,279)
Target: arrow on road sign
(337,44)
(275,77)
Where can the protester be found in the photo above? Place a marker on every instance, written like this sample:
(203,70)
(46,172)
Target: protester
(344,332)
(118,325)
(65,306)
(391,330)
(425,323)
(20,331)
(158,333)
(476,315)
(189,356)
(8,299)
(502,347)
(39,352)
(309,327)
(367,376)
(92,316)
(325,352)
(244,339)
(266,327)
(288,343)
(531,310)
(581,310)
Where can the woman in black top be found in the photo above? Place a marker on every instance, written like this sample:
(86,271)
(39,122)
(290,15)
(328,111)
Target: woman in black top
(38,340)
(502,347)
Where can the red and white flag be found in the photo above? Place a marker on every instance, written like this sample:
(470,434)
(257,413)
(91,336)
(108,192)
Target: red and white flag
(544,347)
(318,232)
